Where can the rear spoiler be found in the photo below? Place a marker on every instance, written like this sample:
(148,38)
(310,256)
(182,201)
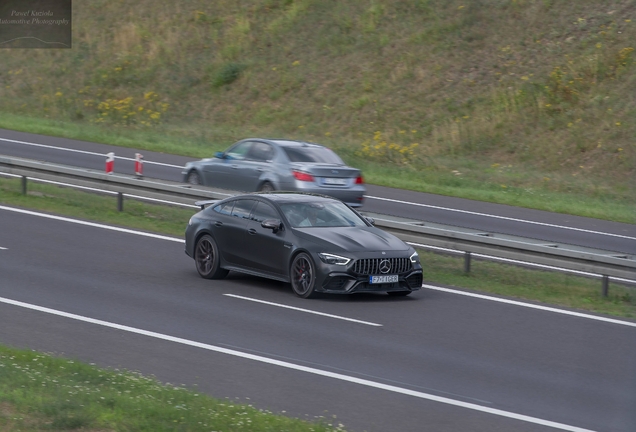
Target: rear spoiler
(202,204)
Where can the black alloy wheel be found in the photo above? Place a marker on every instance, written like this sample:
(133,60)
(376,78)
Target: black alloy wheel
(194,178)
(303,276)
(206,258)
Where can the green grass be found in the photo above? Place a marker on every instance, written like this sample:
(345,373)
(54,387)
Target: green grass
(543,286)
(40,392)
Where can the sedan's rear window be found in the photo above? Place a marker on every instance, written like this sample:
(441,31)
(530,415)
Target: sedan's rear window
(314,154)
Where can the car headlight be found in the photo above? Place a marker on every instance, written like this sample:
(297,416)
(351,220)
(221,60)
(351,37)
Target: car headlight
(415,258)
(333,259)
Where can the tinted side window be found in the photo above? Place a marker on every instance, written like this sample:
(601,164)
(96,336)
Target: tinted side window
(225,208)
(264,211)
(261,151)
(243,208)
(239,151)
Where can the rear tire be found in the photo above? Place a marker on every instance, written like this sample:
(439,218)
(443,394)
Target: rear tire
(207,259)
(302,274)
(266,187)
(194,178)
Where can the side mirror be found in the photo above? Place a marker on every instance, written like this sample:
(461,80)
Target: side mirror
(370,220)
(219,155)
(274,224)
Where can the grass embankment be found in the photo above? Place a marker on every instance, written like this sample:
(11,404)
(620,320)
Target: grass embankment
(39,392)
(528,103)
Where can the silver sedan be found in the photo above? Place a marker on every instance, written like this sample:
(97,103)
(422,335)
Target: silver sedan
(257,164)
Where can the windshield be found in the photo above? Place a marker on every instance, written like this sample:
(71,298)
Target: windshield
(312,154)
(320,214)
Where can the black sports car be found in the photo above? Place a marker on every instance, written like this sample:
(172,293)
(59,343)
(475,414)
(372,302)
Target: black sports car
(317,243)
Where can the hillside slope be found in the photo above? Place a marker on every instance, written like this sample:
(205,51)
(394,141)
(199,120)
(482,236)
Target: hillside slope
(481,86)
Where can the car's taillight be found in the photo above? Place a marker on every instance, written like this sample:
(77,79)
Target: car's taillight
(302,176)
(359,180)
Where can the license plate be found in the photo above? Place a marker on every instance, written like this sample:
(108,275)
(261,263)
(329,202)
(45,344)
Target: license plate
(383,279)
(335,181)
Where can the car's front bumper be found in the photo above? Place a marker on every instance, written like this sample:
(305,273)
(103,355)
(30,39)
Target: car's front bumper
(345,283)
(338,279)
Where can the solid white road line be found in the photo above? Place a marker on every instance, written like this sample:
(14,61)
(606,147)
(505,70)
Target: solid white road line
(531,306)
(501,217)
(178,240)
(304,310)
(93,224)
(85,152)
(311,370)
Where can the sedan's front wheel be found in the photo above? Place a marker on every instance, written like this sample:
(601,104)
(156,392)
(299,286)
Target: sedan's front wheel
(303,276)
(194,178)
(207,259)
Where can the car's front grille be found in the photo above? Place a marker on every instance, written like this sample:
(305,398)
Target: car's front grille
(375,266)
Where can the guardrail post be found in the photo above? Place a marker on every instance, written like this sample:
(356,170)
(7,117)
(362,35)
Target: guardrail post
(605,285)
(24,185)
(466,262)
(120,201)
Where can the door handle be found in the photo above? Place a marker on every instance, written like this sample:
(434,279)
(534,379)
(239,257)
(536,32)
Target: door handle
(234,166)
(218,223)
(252,231)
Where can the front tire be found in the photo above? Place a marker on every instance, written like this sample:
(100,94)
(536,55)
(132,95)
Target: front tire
(194,178)
(207,259)
(302,274)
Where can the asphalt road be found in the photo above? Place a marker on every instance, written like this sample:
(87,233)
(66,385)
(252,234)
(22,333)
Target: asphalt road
(437,361)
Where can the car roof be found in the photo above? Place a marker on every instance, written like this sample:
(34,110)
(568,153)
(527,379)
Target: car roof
(283,142)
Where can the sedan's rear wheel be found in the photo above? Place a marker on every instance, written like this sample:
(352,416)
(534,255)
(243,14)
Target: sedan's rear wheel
(207,259)
(303,276)
(194,178)
(266,187)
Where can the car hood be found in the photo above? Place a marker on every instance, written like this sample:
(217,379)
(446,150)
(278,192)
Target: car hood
(352,239)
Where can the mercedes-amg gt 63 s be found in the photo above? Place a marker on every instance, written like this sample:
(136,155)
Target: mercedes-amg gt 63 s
(316,243)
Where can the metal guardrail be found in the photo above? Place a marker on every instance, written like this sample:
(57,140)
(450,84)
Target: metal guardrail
(467,241)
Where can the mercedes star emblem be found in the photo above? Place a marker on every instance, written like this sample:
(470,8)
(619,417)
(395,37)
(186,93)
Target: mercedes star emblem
(385,266)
